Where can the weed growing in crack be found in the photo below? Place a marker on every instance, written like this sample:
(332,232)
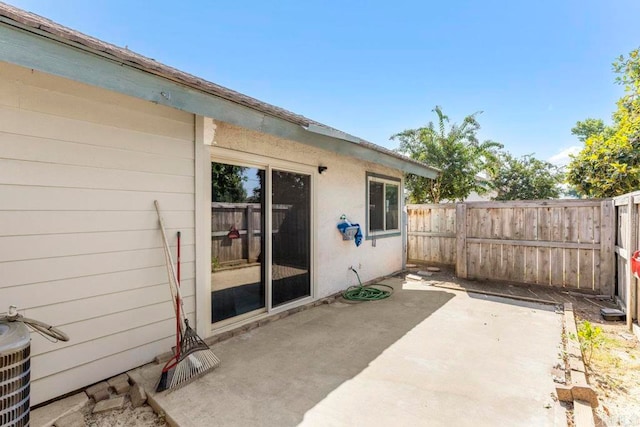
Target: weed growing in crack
(590,337)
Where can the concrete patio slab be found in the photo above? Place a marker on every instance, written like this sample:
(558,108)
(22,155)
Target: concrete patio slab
(425,356)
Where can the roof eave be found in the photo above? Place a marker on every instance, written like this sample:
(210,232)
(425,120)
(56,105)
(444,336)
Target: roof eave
(383,156)
(50,49)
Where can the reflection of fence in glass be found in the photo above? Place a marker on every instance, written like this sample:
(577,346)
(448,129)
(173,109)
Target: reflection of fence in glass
(291,236)
(247,218)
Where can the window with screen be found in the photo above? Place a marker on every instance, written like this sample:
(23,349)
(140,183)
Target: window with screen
(383,196)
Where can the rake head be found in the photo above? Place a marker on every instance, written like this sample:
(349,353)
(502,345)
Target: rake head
(195,360)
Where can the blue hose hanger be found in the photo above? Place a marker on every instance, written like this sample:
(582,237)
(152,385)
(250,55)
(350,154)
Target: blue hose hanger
(349,230)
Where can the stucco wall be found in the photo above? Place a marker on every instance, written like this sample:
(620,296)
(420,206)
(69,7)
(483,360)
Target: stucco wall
(80,247)
(341,189)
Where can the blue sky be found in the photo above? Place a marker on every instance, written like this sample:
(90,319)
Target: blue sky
(376,68)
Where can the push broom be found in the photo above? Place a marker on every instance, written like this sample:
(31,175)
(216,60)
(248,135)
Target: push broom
(192,356)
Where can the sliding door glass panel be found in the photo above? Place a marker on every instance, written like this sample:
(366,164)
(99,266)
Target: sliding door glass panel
(291,249)
(376,206)
(237,241)
(391,207)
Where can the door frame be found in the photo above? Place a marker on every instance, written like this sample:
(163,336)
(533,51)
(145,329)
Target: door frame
(239,158)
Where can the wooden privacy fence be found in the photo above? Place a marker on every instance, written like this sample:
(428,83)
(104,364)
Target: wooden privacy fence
(567,243)
(431,233)
(247,219)
(627,212)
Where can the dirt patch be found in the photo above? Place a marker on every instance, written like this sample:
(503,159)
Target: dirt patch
(128,416)
(614,372)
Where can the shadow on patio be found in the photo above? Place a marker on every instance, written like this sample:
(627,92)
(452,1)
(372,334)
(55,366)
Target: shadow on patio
(414,358)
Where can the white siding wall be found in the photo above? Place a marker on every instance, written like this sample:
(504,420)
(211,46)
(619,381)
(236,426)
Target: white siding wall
(80,248)
(341,189)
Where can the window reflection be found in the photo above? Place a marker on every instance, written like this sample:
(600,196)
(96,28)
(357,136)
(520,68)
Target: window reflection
(237,241)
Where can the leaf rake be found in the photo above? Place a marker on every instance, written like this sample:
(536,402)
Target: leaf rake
(192,356)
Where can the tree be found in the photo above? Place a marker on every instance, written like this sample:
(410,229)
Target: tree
(590,127)
(606,167)
(456,151)
(227,183)
(526,178)
(609,164)
(256,196)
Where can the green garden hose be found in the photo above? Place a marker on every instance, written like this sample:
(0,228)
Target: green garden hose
(366,293)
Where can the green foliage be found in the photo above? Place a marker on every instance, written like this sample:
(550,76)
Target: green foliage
(627,117)
(227,183)
(609,164)
(456,151)
(291,188)
(215,263)
(606,167)
(526,178)
(628,69)
(590,127)
(571,193)
(590,338)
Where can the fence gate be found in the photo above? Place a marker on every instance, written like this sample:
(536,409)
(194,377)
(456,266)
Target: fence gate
(627,241)
(432,233)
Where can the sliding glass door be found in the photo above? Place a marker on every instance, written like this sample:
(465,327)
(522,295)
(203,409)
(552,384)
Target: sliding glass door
(291,236)
(250,274)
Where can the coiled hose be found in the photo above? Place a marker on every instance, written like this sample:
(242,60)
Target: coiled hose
(366,293)
(38,326)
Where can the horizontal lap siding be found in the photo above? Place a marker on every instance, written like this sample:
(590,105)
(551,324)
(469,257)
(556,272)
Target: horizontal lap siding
(79,243)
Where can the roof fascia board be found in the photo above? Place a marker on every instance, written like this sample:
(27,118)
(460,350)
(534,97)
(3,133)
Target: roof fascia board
(45,53)
(333,133)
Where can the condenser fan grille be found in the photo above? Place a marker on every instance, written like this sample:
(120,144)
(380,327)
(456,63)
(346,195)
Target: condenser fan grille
(15,369)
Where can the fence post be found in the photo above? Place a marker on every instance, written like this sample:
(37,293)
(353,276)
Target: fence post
(249,213)
(461,240)
(405,234)
(607,247)
(632,231)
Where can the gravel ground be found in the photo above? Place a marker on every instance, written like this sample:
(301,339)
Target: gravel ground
(143,416)
(614,372)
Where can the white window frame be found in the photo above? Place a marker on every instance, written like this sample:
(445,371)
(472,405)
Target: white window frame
(386,180)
